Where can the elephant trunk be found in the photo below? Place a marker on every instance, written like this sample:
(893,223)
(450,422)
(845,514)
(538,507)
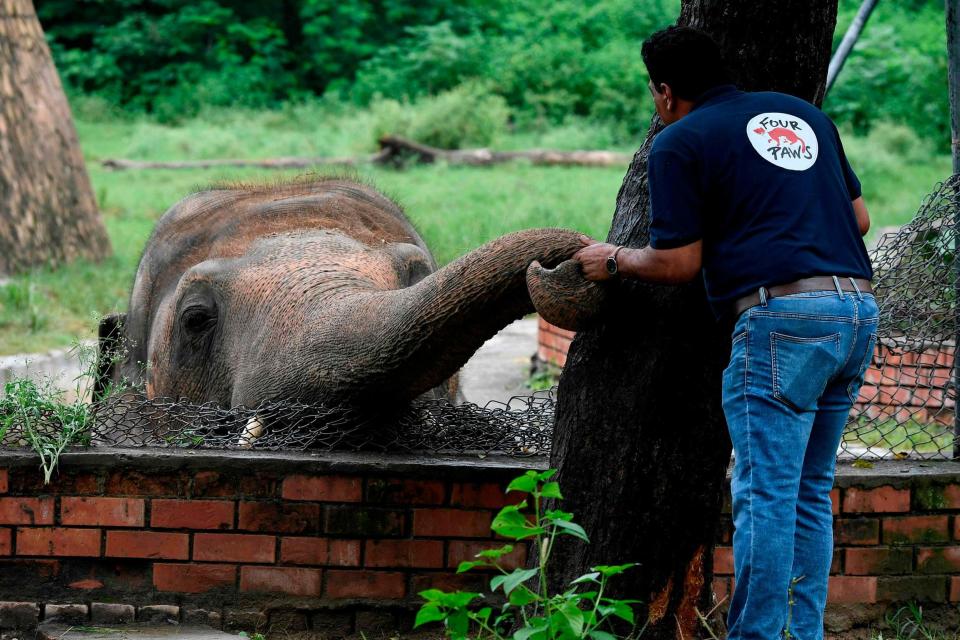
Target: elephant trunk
(429,330)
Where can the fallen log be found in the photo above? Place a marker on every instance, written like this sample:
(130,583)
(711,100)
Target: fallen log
(396,148)
(396,151)
(119,164)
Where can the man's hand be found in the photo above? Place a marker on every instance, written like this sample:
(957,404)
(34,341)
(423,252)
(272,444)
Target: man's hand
(593,258)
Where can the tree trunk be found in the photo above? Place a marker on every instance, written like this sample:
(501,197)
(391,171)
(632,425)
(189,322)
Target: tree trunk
(48,214)
(640,440)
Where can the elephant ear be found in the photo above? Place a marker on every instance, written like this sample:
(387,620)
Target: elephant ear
(110,348)
(563,297)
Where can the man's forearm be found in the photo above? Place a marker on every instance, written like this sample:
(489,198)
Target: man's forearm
(653,265)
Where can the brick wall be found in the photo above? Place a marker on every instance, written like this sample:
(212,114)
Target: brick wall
(226,537)
(900,385)
(341,542)
(896,536)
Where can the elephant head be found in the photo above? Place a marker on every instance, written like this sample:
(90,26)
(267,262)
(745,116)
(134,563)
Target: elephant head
(319,292)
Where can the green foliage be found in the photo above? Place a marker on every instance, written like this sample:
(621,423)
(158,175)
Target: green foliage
(908,623)
(897,71)
(465,116)
(581,611)
(40,415)
(549,61)
(545,377)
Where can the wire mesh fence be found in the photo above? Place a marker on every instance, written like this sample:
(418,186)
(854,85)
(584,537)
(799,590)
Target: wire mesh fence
(520,427)
(906,406)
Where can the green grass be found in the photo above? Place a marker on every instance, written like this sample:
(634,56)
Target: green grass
(456,209)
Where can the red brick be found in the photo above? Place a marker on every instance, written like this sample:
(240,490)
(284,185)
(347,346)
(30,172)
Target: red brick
(485,495)
(852,589)
(320,551)
(397,491)
(467,550)
(58,541)
(938,560)
(452,523)
(856,531)
(272,517)
(836,564)
(26,511)
(213,484)
(6,542)
(4,481)
(26,481)
(878,561)
(723,561)
(423,554)
(102,512)
(955,589)
(134,483)
(912,588)
(87,584)
(915,529)
(449,582)
(365,584)
(294,581)
(323,488)
(835,501)
(721,589)
(233,547)
(191,514)
(951,498)
(193,578)
(148,544)
(880,500)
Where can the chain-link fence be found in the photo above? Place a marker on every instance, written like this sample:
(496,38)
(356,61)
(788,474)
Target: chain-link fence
(905,408)
(908,401)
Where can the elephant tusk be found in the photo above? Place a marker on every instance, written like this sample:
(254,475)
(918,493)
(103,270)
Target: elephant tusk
(253,430)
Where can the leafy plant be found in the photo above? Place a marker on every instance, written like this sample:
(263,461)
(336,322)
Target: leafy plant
(545,377)
(907,623)
(47,418)
(580,611)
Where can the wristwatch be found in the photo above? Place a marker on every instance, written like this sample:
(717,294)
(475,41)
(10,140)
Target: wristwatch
(612,266)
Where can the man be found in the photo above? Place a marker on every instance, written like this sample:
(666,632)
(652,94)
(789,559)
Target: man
(754,190)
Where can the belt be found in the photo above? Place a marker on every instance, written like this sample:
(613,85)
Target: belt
(804,285)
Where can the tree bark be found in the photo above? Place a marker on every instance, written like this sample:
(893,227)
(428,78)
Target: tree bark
(48,214)
(640,438)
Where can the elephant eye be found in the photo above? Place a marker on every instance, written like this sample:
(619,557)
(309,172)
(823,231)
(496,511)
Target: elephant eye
(198,319)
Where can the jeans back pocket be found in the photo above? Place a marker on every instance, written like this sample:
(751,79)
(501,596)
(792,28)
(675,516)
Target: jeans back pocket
(853,389)
(802,367)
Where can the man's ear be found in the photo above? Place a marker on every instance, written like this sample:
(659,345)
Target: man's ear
(667,92)
(109,352)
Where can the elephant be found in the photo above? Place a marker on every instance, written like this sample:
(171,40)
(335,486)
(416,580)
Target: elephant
(321,291)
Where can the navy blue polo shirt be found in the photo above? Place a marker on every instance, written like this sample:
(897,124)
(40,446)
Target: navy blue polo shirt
(762,179)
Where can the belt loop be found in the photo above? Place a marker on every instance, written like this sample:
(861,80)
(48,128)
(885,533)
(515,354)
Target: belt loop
(856,288)
(836,283)
(763,296)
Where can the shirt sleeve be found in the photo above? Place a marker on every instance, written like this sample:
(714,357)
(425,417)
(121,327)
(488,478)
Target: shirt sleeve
(676,200)
(849,177)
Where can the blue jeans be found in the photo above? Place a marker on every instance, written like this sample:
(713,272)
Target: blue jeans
(796,367)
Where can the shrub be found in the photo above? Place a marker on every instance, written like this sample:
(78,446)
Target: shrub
(580,611)
(465,116)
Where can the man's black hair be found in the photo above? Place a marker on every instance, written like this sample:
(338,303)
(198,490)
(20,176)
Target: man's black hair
(685,58)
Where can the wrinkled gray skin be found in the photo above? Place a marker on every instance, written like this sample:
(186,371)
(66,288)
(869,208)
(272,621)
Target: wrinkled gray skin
(321,292)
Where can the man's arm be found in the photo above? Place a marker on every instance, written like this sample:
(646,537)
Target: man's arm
(863,217)
(665,266)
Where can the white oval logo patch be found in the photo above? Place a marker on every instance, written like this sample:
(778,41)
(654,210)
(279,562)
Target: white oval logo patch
(784,140)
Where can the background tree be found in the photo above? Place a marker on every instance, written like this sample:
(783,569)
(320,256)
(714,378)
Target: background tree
(48,214)
(640,441)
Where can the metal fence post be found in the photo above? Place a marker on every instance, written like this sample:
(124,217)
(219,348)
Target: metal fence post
(953,76)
